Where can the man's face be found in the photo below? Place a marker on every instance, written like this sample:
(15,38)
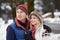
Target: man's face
(21,15)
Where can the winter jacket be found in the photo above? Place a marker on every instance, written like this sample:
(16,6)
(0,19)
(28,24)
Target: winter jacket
(18,31)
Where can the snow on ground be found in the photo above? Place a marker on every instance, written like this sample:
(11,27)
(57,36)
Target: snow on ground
(52,37)
(3,27)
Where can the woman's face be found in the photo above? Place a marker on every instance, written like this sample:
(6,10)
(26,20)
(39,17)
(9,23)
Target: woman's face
(34,20)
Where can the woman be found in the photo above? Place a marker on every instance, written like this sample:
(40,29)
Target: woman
(36,25)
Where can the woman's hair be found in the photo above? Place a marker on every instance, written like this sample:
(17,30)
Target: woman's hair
(38,15)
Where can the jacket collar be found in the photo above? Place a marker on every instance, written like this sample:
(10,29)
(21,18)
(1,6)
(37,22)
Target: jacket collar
(19,25)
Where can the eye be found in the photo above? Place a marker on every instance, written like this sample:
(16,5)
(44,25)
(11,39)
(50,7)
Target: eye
(21,11)
(34,18)
(17,11)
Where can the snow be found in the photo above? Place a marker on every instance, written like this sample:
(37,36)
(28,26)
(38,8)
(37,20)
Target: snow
(3,28)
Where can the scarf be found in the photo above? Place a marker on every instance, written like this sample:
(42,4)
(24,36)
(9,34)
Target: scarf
(33,31)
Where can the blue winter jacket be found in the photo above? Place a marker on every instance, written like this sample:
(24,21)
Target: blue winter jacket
(16,31)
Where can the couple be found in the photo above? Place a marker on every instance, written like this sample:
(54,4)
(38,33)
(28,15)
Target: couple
(23,28)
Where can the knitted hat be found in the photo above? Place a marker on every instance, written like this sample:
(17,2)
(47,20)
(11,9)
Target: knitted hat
(23,8)
(38,15)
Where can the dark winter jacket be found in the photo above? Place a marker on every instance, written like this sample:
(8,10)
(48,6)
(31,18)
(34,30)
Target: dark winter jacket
(18,31)
(48,29)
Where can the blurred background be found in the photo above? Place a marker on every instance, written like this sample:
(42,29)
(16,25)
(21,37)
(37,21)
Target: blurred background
(50,11)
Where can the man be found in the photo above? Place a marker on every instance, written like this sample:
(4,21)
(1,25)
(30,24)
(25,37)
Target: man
(19,29)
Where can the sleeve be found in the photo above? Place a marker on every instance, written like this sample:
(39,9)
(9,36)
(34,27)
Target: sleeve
(47,28)
(10,35)
(30,34)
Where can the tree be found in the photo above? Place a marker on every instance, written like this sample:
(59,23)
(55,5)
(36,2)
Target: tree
(30,4)
(49,6)
(57,4)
